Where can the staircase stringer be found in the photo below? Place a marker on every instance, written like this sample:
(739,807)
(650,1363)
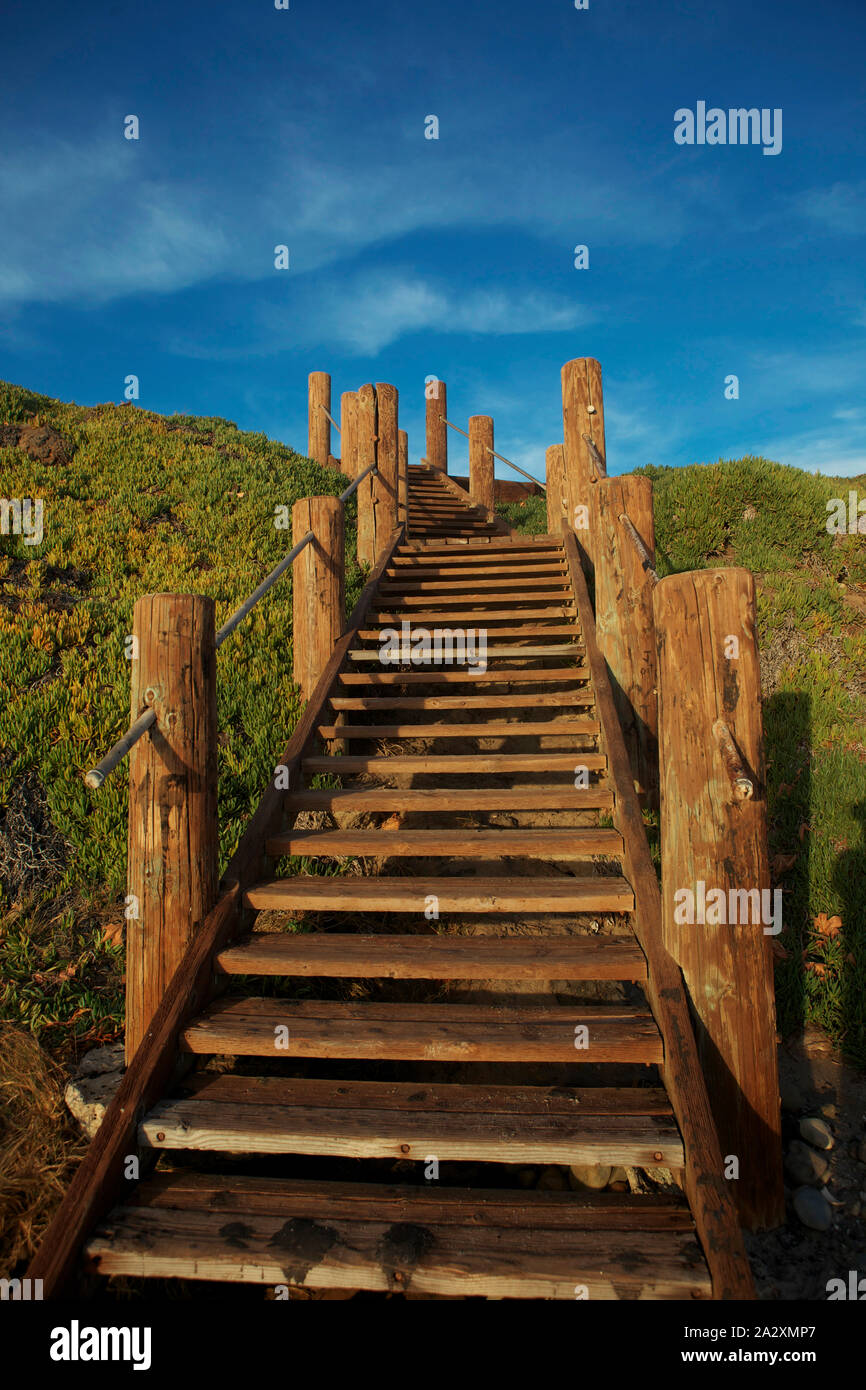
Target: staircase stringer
(710,1198)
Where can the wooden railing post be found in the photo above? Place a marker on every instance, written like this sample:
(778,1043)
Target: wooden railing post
(319,426)
(387,455)
(583,419)
(367,430)
(403,479)
(173,843)
(624,620)
(318,587)
(349,433)
(481,460)
(557,501)
(437,430)
(718,918)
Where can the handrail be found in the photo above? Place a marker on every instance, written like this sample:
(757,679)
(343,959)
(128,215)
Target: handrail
(501,457)
(330,416)
(645,557)
(97,775)
(371,468)
(599,462)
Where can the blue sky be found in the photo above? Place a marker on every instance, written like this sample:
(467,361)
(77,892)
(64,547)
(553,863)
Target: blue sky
(453,256)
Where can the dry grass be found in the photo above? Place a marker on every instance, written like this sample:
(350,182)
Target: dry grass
(39,1144)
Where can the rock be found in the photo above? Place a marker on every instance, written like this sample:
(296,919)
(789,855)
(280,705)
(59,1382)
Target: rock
(803,1165)
(44,445)
(553,1180)
(813,1209)
(828,1111)
(790,1094)
(618,1180)
(93,1084)
(816,1132)
(101,1059)
(588,1175)
(88,1096)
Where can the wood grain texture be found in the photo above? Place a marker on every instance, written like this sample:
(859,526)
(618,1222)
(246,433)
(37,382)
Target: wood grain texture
(709,835)
(582,414)
(318,587)
(436,409)
(481,460)
(318,424)
(173,835)
(470,894)
(557,495)
(349,433)
(387,464)
(367,429)
(624,621)
(710,1198)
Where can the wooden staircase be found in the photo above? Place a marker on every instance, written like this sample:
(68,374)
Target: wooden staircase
(478,987)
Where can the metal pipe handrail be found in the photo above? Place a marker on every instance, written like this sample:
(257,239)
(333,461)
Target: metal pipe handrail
(645,557)
(97,775)
(371,468)
(501,457)
(330,416)
(597,458)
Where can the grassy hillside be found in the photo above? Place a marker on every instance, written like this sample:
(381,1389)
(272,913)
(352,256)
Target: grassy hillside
(147,504)
(812,625)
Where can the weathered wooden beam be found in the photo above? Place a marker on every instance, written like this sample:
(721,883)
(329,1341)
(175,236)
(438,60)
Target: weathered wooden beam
(710,1196)
(349,433)
(437,430)
(387,464)
(319,426)
(715,863)
(402,477)
(481,460)
(173,832)
(318,587)
(583,419)
(624,620)
(557,499)
(367,430)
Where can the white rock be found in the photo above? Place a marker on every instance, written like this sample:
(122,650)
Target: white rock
(583,1175)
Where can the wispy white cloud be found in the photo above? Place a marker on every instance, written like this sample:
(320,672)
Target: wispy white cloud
(840,208)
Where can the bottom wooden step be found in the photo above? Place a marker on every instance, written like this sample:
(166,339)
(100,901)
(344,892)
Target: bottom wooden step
(456,1241)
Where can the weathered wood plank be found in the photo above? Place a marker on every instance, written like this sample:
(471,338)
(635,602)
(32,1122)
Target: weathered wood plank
(470,894)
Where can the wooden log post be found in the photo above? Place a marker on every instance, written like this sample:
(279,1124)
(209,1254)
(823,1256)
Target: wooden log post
(624,620)
(403,478)
(349,433)
(557,500)
(715,868)
(437,430)
(481,460)
(318,587)
(387,458)
(367,429)
(173,838)
(583,418)
(319,426)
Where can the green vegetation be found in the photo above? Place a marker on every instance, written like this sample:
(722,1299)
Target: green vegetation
(149,504)
(811,589)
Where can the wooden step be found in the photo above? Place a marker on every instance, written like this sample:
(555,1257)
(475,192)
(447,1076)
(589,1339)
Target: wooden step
(447,1241)
(470,894)
(374,634)
(554,649)
(283,1028)
(456,844)
(447,587)
(533,544)
(417,569)
(536,676)
(458,762)
(463,600)
(432,957)
(476,617)
(563,798)
(556,698)
(351,1119)
(492,728)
